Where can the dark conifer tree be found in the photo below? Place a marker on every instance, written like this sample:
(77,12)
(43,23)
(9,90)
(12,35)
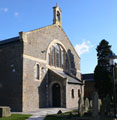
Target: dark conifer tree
(102,72)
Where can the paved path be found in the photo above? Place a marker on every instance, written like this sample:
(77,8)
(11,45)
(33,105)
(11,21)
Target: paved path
(41,113)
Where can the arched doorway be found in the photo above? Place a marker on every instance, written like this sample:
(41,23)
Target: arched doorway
(56,95)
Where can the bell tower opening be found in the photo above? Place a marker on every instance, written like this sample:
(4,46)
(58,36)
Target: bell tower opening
(57,15)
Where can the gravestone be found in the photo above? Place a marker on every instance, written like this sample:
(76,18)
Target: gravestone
(99,104)
(95,107)
(86,105)
(80,106)
(90,104)
(59,112)
(4,111)
(105,109)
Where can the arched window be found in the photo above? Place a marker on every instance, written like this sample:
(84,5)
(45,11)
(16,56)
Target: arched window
(37,71)
(58,57)
(72,93)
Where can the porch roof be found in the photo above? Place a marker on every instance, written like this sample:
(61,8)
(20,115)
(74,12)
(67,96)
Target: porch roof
(71,79)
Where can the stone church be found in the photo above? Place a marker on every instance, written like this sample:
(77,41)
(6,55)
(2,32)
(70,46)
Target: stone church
(40,69)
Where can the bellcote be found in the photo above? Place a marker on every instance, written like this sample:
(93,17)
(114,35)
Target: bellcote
(57,16)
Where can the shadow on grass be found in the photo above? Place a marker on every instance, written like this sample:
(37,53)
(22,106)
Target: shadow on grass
(65,118)
(72,115)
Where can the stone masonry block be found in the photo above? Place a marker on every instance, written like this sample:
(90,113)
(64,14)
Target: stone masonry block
(4,111)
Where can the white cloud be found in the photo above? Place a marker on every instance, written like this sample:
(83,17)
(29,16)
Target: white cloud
(16,14)
(84,47)
(4,9)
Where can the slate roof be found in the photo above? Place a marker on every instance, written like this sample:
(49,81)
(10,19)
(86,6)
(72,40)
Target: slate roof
(71,79)
(8,41)
(88,77)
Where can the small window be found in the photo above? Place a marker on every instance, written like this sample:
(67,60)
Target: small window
(72,92)
(78,92)
(37,71)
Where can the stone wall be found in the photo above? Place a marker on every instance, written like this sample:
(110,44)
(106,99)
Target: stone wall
(18,87)
(38,40)
(73,102)
(35,42)
(89,88)
(11,75)
(34,90)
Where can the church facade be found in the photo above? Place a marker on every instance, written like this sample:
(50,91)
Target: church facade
(40,69)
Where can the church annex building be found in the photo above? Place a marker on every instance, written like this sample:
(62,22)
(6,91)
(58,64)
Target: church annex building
(40,69)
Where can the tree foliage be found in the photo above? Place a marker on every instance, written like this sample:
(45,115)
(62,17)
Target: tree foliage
(103,50)
(102,72)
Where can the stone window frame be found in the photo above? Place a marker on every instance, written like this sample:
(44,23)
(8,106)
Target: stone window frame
(72,94)
(37,78)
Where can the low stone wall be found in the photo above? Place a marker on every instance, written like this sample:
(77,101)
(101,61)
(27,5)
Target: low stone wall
(5,111)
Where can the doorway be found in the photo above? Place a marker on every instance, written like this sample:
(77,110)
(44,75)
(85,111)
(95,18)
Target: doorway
(56,95)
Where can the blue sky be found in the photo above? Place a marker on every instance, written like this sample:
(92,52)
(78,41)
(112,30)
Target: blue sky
(86,23)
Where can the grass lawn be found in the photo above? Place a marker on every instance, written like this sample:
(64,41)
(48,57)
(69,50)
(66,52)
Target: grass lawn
(16,117)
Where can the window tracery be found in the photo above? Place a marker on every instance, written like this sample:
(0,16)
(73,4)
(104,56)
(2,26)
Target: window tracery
(58,57)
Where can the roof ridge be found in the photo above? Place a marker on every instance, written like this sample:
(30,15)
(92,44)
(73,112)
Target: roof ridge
(9,40)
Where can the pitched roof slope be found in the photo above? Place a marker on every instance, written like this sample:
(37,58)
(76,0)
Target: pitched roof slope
(10,40)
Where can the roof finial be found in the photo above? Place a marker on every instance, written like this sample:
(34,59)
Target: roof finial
(56,4)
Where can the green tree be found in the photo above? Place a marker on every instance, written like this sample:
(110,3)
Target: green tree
(103,50)
(102,72)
